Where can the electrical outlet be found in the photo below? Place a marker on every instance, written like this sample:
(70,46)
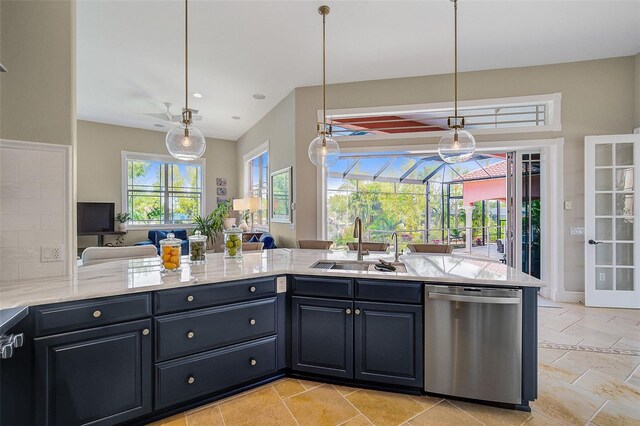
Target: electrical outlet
(568,205)
(281,284)
(603,276)
(51,254)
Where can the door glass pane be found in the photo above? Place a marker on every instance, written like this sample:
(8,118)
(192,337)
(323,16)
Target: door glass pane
(603,154)
(604,205)
(624,229)
(604,179)
(604,278)
(604,254)
(624,154)
(624,254)
(624,279)
(604,229)
(624,179)
(624,204)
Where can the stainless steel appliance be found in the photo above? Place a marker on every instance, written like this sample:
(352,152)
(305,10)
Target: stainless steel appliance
(473,342)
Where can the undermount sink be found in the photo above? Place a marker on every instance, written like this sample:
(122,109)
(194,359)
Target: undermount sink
(353,265)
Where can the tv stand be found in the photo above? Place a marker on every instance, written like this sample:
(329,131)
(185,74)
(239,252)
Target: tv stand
(101,235)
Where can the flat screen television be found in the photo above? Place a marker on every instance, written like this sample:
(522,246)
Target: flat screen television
(96,217)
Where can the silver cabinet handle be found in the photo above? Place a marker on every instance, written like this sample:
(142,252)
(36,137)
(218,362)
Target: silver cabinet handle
(97,313)
(190,335)
(357,311)
(6,351)
(253,361)
(189,298)
(145,332)
(475,299)
(348,311)
(191,380)
(18,340)
(252,289)
(252,321)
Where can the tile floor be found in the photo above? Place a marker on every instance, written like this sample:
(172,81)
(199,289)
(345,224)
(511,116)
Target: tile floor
(589,374)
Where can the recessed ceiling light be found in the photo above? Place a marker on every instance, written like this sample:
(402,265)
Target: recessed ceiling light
(197,95)
(259,96)
(235,117)
(159,125)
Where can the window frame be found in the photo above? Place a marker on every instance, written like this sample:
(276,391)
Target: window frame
(553,103)
(130,155)
(247,190)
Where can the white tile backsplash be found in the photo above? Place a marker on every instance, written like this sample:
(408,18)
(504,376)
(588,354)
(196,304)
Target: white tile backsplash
(34,208)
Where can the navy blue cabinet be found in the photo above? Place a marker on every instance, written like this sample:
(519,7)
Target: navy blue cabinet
(388,343)
(98,376)
(322,336)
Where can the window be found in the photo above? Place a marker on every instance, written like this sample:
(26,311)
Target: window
(258,180)
(159,190)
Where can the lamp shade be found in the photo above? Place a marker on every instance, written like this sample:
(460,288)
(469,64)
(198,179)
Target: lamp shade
(240,204)
(254,203)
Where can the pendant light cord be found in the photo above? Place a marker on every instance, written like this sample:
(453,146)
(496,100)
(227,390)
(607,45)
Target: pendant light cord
(324,72)
(455,60)
(186,55)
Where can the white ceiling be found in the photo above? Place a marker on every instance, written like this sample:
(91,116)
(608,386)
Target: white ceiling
(130,53)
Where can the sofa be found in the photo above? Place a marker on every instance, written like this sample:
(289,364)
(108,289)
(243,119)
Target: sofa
(266,239)
(155,235)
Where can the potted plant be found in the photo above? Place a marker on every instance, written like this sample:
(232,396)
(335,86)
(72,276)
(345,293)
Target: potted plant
(213,224)
(122,218)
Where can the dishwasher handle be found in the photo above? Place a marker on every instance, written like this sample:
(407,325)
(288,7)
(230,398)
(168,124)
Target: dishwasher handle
(475,299)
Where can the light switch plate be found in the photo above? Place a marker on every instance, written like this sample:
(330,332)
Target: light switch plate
(576,230)
(281,285)
(51,253)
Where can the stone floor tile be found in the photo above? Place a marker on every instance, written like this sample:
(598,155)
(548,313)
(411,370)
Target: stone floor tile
(493,415)
(425,401)
(320,406)
(444,413)
(593,336)
(359,420)
(548,335)
(558,372)
(634,379)
(308,384)
(565,403)
(207,416)
(610,388)
(625,343)
(625,322)
(288,387)
(549,355)
(385,408)
(615,365)
(613,414)
(177,420)
(263,407)
(345,390)
(556,322)
(538,419)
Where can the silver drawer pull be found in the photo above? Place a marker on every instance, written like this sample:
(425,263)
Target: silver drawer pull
(357,311)
(97,313)
(253,361)
(191,380)
(252,321)
(145,332)
(189,298)
(252,289)
(348,311)
(191,335)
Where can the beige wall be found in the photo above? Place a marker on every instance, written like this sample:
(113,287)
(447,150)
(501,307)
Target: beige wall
(278,127)
(637,91)
(596,100)
(37,45)
(100,165)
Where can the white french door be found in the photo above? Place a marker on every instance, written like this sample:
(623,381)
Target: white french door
(612,252)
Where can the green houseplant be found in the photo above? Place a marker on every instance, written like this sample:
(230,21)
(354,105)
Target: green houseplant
(213,224)
(122,218)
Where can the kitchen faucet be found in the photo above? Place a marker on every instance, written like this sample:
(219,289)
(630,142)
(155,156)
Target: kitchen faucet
(395,245)
(357,233)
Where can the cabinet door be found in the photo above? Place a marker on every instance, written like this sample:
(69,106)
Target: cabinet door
(97,376)
(388,343)
(322,336)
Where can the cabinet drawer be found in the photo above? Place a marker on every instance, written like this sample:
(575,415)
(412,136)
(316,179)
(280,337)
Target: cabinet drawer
(214,371)
(90,313)
(389,291)
(214,294)
(205,329)
(323,286)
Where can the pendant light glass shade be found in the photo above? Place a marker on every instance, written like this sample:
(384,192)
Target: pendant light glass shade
(457,146)
(324,151)
(185,142)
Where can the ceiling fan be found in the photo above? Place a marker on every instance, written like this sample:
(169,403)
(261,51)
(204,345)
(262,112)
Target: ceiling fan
(167,116)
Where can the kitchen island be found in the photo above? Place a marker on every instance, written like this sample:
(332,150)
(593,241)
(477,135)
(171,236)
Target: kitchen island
(162,343)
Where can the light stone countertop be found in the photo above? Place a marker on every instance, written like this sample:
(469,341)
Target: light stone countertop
(139,275)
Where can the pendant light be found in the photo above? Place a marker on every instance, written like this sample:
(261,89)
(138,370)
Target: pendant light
(457,145)
(185,142)
(324,150)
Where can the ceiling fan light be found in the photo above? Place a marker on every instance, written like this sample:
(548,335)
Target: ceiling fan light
(185,143)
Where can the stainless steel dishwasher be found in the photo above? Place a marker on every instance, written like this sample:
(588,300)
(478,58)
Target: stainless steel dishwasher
(473,342)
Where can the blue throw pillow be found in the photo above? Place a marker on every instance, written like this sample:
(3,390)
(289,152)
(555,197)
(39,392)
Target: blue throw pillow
(161,235)
(254,239)
(180,234)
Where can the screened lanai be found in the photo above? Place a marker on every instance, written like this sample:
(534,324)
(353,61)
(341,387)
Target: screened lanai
(422,198)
